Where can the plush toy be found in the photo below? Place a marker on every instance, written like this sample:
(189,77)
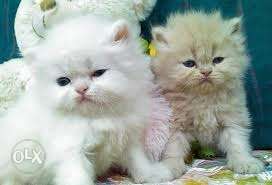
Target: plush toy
(34,17)
(14,77)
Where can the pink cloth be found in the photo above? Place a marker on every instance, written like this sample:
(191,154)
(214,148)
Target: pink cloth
(157,133)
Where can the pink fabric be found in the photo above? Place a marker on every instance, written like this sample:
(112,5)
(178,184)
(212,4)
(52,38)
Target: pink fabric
(157,133)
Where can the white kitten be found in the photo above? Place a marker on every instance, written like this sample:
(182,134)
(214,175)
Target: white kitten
(87,106)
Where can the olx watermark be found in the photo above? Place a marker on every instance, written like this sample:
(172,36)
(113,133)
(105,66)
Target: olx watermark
(28,156)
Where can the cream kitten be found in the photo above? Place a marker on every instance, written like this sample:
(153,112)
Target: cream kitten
(87,106)
(200,65)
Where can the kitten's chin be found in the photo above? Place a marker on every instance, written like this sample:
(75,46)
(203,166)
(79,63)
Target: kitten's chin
(208,86)
(83,100)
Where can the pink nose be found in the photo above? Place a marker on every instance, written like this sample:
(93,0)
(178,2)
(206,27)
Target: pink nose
(82,89)
(206,73)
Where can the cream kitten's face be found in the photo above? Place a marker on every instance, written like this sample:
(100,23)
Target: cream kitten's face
(200,53)
(89,75)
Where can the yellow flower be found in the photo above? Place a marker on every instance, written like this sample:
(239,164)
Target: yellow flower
(147,47)
(152,50)
(47,5)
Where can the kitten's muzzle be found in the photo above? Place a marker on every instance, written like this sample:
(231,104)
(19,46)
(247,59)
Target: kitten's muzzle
(206,73)
(82,89)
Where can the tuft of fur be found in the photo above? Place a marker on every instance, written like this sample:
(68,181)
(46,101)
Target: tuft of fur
(157,131)
(211,109)
(83,136)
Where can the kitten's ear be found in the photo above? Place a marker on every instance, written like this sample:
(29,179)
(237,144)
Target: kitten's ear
(119,32)
(159,37)
(217,15)
(29,56)
(235,25)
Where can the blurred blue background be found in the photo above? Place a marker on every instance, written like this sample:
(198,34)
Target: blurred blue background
(258,27)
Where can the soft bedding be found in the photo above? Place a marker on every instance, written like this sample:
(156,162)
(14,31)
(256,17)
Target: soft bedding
(209,172)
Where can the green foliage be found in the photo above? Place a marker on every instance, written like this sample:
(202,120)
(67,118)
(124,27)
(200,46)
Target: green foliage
(203,152)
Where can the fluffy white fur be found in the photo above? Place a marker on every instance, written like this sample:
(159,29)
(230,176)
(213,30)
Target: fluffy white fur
(207,98)
(157,131)
(83,137)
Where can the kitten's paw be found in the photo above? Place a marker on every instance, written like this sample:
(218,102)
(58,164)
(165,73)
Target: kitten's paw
(246,165)
(77,183)
(73,181)
(12,182)
(176,166)
(158,173)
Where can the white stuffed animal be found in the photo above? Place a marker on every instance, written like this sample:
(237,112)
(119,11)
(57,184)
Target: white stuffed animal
(14,77)
(35,16)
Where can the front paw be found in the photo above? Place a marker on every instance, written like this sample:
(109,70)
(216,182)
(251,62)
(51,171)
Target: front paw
(76,183)
(11,182)
(73,181)
(176,166)
(158,173)
(244,165)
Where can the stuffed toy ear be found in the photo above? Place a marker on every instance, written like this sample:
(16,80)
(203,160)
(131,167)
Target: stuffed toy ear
(120,32)
(159,37)
(47,5)
(235,25)
(143,8)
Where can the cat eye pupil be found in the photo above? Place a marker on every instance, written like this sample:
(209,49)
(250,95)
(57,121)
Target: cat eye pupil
(218,60)
(99,72)
(189,63)
(63,81)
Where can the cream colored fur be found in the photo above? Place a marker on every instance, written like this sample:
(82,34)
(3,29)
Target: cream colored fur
(212,111)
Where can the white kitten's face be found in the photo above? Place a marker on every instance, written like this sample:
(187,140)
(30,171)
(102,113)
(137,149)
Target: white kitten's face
(89,78)
(79,82)
(203,53)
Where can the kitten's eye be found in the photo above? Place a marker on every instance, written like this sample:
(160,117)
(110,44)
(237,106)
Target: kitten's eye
(218,60)
(189,63)
(63,81)
(99,72)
